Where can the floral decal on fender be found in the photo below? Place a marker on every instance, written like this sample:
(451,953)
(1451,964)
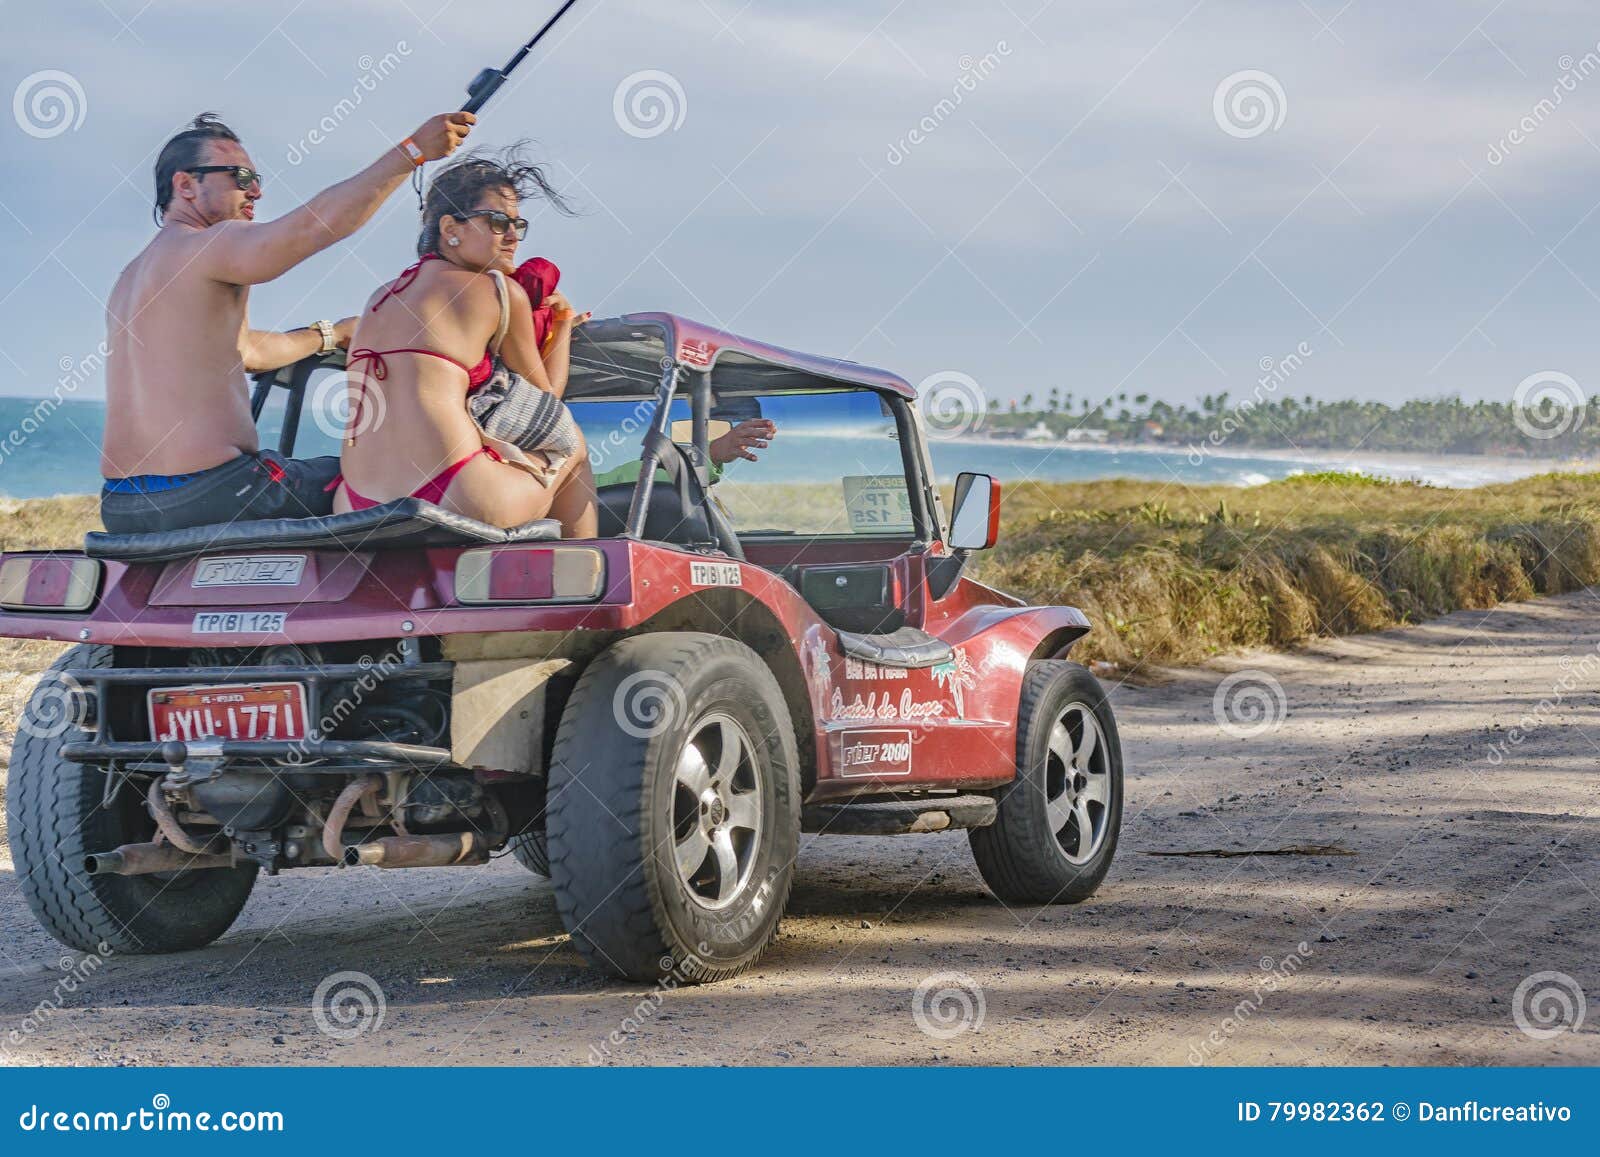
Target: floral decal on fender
(956,676)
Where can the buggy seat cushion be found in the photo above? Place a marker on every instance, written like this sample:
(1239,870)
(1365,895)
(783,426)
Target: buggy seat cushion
(406,523)
(907,647)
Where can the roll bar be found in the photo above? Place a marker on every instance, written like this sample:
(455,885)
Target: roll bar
(293,378)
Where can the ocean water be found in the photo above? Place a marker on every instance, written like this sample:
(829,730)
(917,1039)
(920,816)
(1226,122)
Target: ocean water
(53,448)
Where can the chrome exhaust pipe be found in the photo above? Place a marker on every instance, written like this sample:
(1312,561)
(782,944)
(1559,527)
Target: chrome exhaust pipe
(456,848)
(142,859)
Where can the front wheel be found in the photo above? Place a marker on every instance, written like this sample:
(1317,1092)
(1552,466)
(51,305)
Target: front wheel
(674,812)
(1055,833)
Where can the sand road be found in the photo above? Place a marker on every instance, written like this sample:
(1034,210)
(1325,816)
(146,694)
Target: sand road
(1476,866)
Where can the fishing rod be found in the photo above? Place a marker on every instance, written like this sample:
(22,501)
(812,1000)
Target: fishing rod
(489,80)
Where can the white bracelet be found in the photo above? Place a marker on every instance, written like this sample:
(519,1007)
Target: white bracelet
(325,328)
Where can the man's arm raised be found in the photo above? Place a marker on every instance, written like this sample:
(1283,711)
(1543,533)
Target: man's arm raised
(246,253)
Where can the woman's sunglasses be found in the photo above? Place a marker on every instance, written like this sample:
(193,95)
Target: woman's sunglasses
(499,222)
(243,175)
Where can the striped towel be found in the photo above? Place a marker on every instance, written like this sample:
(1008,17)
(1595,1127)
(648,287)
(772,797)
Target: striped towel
(514,412)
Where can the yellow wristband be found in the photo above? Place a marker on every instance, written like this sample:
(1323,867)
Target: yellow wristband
(413,154)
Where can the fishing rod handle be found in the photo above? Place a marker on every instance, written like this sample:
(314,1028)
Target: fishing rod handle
(483,86)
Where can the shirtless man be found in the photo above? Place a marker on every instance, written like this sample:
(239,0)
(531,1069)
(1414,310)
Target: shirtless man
(180,446)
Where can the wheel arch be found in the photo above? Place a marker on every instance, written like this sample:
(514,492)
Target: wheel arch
(736,614)
(1055,644)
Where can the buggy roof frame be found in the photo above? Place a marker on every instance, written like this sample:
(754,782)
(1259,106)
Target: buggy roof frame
(627,355)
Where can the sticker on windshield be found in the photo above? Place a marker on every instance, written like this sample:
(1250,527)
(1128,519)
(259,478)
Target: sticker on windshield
(715,574)
(877,504)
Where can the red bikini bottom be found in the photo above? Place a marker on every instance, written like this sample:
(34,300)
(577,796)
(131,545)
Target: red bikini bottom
(430,491)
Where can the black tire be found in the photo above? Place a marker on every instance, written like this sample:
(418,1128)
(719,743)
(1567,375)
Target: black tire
(619,814)
(54,818)
(532,850)
(1024,857)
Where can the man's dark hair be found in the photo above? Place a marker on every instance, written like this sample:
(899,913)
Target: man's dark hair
(186,151)
(459,184)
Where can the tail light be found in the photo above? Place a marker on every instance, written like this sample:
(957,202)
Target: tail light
(48,582)
(517,574)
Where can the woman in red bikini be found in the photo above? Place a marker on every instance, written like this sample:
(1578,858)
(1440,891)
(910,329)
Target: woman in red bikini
(427,338)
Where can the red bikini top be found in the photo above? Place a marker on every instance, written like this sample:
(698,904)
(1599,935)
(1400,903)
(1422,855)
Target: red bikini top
(476,375)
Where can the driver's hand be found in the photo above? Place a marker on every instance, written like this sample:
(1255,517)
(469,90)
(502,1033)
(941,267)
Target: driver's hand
(751,434)
(343,330)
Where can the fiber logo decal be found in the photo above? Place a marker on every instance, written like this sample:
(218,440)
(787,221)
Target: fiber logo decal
(250,570)
(874,753)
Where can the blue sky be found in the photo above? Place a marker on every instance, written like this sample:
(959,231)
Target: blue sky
(1089,216)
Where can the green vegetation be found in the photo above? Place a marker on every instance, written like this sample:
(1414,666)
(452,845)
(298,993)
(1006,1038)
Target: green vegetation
(1175,574)
(1263,419)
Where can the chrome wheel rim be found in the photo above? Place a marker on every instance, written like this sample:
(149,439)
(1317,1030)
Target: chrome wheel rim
(1077,788)
(717,812)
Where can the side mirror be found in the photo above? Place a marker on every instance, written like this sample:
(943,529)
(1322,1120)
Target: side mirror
(975,523)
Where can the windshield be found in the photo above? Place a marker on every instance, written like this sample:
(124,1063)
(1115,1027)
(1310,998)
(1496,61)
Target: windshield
(833,467)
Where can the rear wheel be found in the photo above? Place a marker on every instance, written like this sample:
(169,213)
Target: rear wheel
(55,816)
(1055,833)
(673,813)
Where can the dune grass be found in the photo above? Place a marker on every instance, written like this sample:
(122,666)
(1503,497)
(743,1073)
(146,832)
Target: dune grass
(1174,574)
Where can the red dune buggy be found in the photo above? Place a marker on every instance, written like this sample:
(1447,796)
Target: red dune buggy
(650,718)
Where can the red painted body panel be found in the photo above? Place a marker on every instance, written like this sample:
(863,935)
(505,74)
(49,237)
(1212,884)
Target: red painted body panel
(874,727)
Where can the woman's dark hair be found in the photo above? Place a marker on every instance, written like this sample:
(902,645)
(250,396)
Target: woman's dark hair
(186,151)
(457,187)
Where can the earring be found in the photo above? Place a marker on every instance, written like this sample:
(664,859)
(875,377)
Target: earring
(452,241)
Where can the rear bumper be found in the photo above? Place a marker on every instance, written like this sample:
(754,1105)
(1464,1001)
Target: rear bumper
(297,754)
(312,753)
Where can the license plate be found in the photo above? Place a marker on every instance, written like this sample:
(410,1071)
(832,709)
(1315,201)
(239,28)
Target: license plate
(239,622)
(249,711)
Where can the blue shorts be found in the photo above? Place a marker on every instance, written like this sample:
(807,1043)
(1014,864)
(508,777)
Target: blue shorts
(251,486)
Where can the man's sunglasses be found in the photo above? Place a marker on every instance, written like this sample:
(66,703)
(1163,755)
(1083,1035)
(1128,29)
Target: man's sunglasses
(499,222)
(243,175)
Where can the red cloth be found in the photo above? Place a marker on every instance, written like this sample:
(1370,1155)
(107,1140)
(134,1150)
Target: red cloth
(539,277)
